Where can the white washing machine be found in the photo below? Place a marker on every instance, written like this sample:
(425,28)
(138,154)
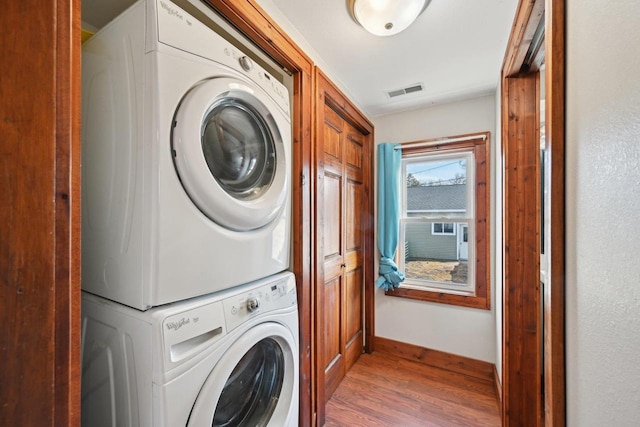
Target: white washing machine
(186,161)
(230,359)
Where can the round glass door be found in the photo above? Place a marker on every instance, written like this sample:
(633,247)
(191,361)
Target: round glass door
(239,149)
(230,145)
(255,382)
(251,392)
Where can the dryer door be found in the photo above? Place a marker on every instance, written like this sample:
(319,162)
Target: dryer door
(229,147)
(253,384)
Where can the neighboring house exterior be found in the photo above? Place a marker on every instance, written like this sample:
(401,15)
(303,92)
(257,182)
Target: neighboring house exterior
(438,239)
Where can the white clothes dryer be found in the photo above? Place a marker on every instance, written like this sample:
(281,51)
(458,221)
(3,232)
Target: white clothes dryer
(230,359)
(186,161)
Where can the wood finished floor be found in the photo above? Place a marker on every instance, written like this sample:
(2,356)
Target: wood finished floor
(383,390)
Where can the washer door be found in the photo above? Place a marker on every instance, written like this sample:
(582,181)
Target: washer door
(228,149)
(253,383)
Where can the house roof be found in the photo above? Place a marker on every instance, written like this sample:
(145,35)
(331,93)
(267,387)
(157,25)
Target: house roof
(436,197)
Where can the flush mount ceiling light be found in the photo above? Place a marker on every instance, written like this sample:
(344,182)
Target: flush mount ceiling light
(386,17)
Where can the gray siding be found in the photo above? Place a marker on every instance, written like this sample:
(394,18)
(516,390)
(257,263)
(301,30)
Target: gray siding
(422,244)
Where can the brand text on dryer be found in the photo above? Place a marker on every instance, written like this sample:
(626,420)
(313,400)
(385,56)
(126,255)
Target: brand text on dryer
(178,324)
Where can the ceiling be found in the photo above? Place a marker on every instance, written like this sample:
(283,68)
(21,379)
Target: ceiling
(455,49)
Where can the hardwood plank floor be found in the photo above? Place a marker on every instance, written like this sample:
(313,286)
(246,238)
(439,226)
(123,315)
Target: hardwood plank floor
(384,390)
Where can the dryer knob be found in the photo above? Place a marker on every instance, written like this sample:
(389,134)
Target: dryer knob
(245,63)
(253,304)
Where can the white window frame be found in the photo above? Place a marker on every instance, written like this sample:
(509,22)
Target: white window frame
(454,217)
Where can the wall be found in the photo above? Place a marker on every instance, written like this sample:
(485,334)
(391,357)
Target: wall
(290,30)
(458,330)
(602,206)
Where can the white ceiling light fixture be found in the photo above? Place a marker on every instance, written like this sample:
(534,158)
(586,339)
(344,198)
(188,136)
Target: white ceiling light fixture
(386,17)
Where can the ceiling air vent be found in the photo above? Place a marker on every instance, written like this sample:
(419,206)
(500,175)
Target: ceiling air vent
(406,90)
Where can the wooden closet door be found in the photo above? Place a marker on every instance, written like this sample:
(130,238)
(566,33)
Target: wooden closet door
(340,197)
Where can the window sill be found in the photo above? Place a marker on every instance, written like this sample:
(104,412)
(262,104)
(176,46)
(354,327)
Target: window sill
(472,301)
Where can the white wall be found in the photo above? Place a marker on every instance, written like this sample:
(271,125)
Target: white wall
(603,211)
(289,28)
(458,330)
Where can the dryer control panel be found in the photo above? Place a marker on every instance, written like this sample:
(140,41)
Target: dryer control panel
(272,296)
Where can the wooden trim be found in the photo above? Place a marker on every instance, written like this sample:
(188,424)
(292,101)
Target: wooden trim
(498,386)
(250,19)
(482,152)
(341,104)
(522,323)
(40,256)
(528,16)
(439,359)
(67,215)
(554,294)
(254,22)
(523,329)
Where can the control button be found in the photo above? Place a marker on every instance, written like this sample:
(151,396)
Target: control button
(234,310)
(226,51)
(253,304)
(245,63)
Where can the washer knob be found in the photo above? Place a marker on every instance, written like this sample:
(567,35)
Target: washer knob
(246,63)
(253,304)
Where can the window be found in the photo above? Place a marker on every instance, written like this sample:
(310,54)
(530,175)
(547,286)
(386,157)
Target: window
(438,228)
(444,223)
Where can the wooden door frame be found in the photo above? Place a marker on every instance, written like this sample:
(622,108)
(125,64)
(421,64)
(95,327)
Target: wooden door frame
(528,399)
(326,93)
(40,269)
(250,19)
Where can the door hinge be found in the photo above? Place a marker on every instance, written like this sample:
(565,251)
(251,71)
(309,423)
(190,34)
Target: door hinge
(303,179)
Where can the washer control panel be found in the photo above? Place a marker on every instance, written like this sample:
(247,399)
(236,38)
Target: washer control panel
(272,296)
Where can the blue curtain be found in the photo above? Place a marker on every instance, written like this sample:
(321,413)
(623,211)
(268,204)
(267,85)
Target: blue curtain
(389,159)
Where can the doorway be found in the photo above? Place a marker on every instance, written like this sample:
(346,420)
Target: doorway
(343,238)
(533,321)
(463,242)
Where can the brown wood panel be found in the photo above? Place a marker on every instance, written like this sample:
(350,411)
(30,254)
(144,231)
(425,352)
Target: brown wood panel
(353,350)
(334,367)
(353,308)
(332,219)
(332,137)
(522,327)
(353,259)
(332,322)
(386,390)
(354,150)
(39,247)
(439,359)
(554,359)
(333,377)
(353,239)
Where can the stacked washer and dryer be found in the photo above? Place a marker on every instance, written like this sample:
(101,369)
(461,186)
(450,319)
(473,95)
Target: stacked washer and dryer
(189,315)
